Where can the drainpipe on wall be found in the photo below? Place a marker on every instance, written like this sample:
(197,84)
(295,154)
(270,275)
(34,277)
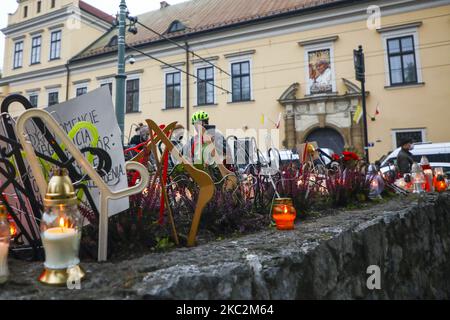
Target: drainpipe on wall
(67,81)
(187,88)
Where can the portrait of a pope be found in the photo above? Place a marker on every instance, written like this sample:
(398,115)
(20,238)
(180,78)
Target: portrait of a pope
(320,73)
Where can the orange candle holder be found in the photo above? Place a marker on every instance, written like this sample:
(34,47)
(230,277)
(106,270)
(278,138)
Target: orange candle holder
(440,185)
(284,213)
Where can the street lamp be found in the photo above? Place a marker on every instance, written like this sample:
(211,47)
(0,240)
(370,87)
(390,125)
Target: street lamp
(121,60)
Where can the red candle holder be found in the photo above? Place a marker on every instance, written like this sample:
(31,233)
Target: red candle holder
(440,184)
(284,213)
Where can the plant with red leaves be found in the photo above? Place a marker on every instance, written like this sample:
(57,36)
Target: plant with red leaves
(87,212)
(335,157)
(300,185)
(349,156)
(346,186)
(230,212)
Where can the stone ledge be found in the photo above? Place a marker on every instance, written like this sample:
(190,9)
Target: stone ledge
(323,258)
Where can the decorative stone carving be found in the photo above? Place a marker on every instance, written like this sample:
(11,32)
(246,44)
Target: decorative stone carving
(321,111)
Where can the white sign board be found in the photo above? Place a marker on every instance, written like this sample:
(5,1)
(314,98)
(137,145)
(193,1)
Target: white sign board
(90,121)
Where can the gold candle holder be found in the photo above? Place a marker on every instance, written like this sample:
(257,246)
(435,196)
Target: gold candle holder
(61,232)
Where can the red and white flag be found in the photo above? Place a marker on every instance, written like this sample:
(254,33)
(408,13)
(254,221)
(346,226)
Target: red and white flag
(277,124)
(377,110)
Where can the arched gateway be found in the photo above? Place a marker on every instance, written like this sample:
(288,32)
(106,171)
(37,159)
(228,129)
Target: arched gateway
(326,118)
(327,138)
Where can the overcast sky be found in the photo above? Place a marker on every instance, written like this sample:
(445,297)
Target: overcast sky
(109,6)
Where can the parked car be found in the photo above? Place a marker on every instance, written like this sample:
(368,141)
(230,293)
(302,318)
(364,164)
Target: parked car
(438,155)
(288,156)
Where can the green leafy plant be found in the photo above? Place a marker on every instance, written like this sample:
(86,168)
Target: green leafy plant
(163,244)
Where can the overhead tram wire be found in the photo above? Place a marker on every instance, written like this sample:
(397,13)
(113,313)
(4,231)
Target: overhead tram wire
(176,68)
(280,42)
(370,54)
(183,47)
(158,87)
(301,64)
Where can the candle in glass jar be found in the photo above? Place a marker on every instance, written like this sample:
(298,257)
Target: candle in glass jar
(61,247)
(428,180)
(284,214)
(4,248)
(441,186)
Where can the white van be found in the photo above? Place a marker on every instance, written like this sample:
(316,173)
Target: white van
(438,155)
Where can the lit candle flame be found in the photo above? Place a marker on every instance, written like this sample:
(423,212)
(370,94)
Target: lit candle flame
(61,222)
(285,210)
(12,230)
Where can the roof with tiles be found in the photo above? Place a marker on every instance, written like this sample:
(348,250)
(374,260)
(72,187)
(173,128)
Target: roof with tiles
(203,15)
(96,12)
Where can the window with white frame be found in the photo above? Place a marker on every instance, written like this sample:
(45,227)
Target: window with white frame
(241,81)
(18,55)
(36,43)
(402,61)
(33,97)
(55,45)
(173,90)
(53,97)
(319,69)
(416,135)
(205,86)
(81,90)
(132,97)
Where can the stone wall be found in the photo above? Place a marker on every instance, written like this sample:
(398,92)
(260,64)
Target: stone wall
(323,258)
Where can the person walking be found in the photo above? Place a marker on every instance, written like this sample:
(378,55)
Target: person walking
(136,139)
(200,120)
(405,157)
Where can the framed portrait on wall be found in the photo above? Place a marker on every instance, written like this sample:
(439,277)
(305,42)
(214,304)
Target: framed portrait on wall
(320,71)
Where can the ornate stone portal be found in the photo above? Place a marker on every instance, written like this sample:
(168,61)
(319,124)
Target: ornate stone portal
(327,115)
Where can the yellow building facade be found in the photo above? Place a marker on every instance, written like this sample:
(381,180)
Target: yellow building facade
(40,39)
(261,59)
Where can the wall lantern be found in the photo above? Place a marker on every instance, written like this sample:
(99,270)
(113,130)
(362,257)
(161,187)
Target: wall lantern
(61,231)
(284,213)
